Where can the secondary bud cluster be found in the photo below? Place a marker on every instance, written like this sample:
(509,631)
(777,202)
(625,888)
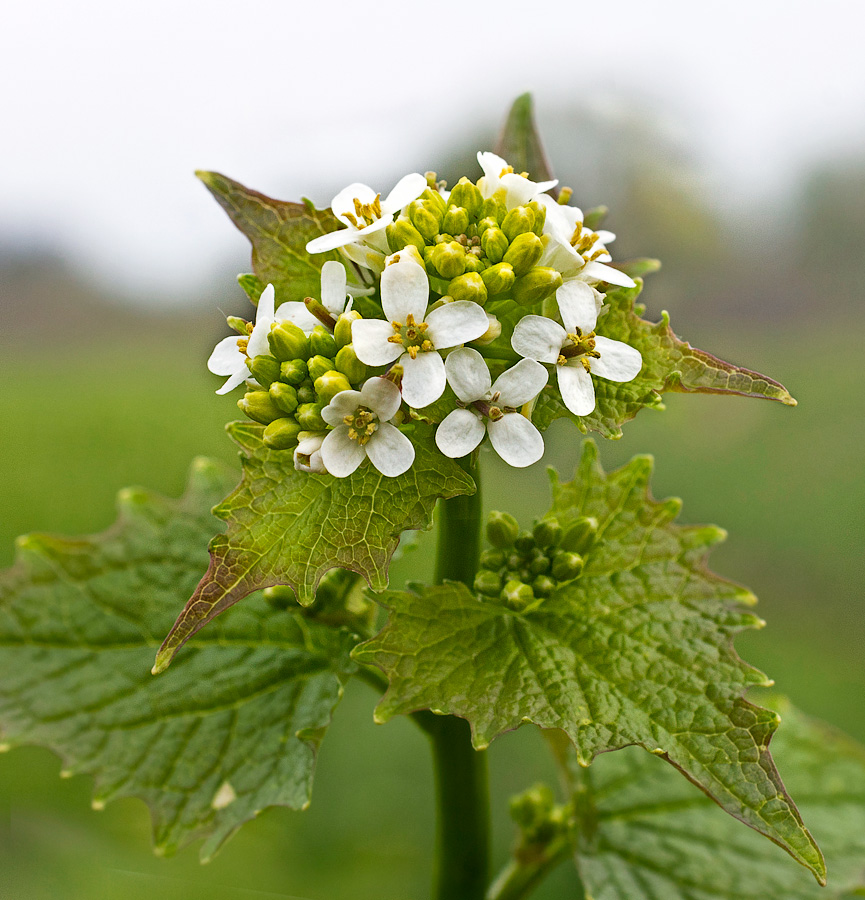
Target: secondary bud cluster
(524,567)
(475,248)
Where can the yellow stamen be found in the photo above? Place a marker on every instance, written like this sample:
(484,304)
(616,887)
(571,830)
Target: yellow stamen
(412,352)
(395,339)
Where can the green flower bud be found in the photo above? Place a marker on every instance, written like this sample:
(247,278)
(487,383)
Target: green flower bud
(525,542)
(474,263)
(241,326)
(540,216)
(305,392)
(494,243)
(287,341)
(525,574)
(322,342)
(488,222)
(456,220)
(513,562)
(467,195)
(469,286)
(284,396)
(252,286)
(342,329)
(281,434)
(426,217)
(581,535)
(347,362)
(543,586)
(519,220)
(330,384)
(494,207)
(488,583)
(309,417)
(492,559)
(498,278)
(524,252)
(264,369)
(531,809)
(258,406)
(539,565)
(594,218)
(293,371)
(434,197)
(318,365)
(540,282)
(567,566)
(547,533)
(502,529)
(448,259)
(401,234)
(517,595)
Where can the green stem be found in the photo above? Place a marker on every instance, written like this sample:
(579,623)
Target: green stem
(522,875)
(461,774)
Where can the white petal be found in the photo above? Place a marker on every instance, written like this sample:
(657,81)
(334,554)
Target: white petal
(226,358)
(333,291)
(237,378)
(343,202)
(297,312)
(520,383)
(537,337)
(520,190)
(258,345)
(491,163)
(605,237)
(618,362)
(423,381)
(368,257)
(340,454)
(371,344)
(516,440)
(343,404)
(456,323)
(407,189)
(599,271)
(459,433)
(468,375)
(404,291)
(578,392)
(390,451)
(332,240)
(381,396)
(579,305)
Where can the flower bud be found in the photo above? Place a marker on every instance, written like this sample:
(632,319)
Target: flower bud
(581,535)
(502,529)
(540,565)
(488,222)
(516,595)
(513,562)
(305,392)
(467,195)
(347,362)
(318,365)
(284,396)
(309,417)
(547,533)
(448,259)
(540,216)
(495,208)
(494,330)
(469,286)
(594,217)
(241,326)
(252,286)
(264,369)
(566,566)
(401,234)
(342,329)
(543,586)
(488,583)
(434,197)
(258,406)
(456,220)
(293,371)
(330,384)
(519,220)
(524,252)
(287,341)
(492,559)
(494,243)
(498,278)
(322,342)
(540,282)
(524,542)
(281,434)
(426,217)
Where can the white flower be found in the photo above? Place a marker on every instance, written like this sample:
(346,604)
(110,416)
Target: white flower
(230,354)
(334,298)
(518,188)
(307,454)
(492,409)
(576,349)
(366,214)
(361,429)
(576,251)
(412,336)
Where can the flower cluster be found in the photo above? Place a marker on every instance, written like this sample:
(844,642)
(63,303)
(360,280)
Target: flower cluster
(344,378)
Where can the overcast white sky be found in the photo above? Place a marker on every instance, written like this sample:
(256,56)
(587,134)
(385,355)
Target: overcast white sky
(107,107)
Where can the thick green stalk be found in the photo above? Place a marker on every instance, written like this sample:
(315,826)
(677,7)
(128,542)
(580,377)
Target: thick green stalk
(462,782)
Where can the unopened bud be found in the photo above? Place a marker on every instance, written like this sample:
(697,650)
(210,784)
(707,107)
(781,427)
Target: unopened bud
(540,565)
(330,384)
(252,286)
(284,396)
(309,417)
(567,566)
(494,330)
(514,561)
(543,586)
(322,342)
(318,365)
(401,234)
(342,329)
(494,207)
(494,243)
(519,220)
(488,583)
(293,371)
(467,195)
(492,559)
(448,259)
(258,406)
(488,222)
(474,263)
(456,220)
(426,217)
(281,434)
(516,595)
(524,252)
(469,286)
(540,216)
(347,362)
(435,198)
(498,278)
(594,218)
(547,533)
(524,541)
(502,529)
(581,535)
(287,341)
(264,369)
(305,392)
(540,282)
(241,326)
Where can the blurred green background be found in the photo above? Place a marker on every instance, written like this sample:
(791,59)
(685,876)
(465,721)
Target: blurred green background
(98,395)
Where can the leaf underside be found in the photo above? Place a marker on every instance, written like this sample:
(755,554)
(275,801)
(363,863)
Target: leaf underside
(638,650)
(290,527)
(231,730)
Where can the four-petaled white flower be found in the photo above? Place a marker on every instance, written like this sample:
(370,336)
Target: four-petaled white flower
(492,409)
(575,349)
(230,354)
(411,335)
(366,214)
(334,298)
(518,188)
(361,429)
(307,453)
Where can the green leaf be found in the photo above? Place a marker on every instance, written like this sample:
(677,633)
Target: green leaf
(638,650)
(290,527)
(279,232)
(649,834)
(232,730)
(669,364)
(520,144)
